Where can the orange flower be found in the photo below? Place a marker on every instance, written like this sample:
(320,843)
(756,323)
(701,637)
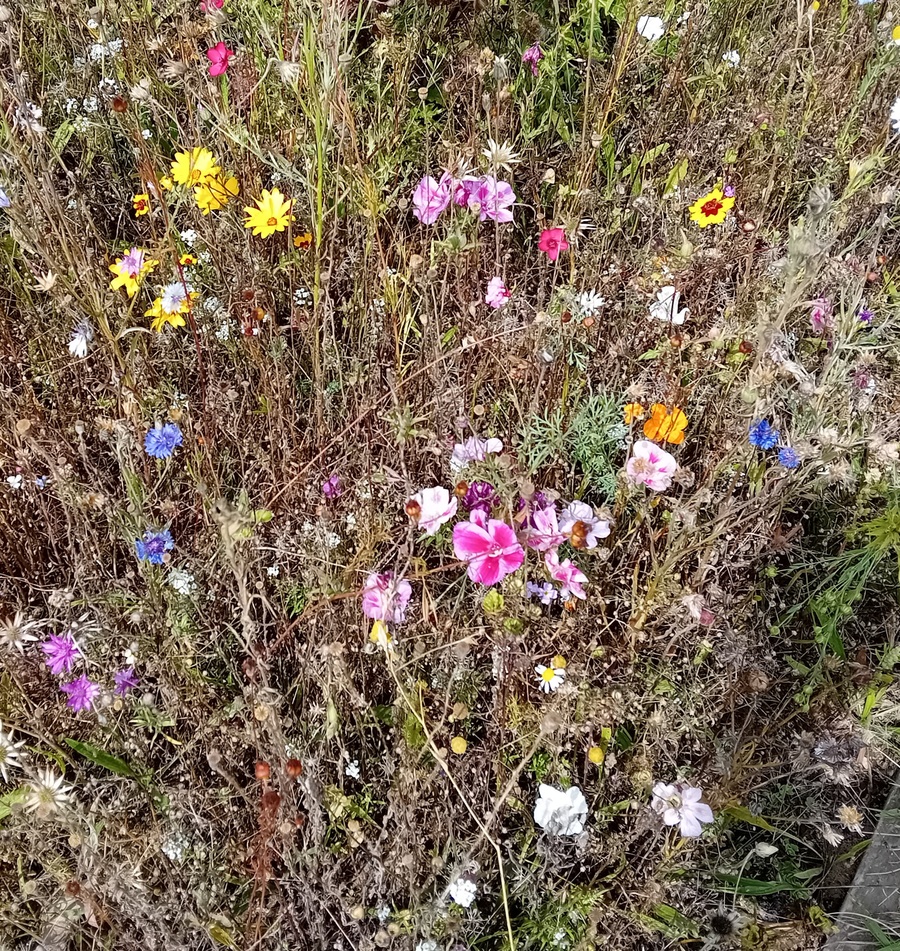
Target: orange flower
(666,425)
(633,411)
(303,241)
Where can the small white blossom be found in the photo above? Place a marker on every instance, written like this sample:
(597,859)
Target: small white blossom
(651,28)
(500,156)
(182,581)
(463,891)
(48,793)
(560,812)
(832,836)
(680,805)
(189,237)
(589,302)
(82,336)
(15,632)
(666,306)
(9,752)
(895,115)
(732,58)
(550,679)
(15,482)
(273,571)
(146,133)
(352,769)
(427,945)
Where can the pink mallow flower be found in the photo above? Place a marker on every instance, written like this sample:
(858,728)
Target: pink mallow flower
(385,598)
(492,199)
(497,294)
(430,198)
(650,466)
(488,547)
(431,508)
(81,692)
(473,450)
(218,57)
(681,805)
(552,241)
(595,528)
(533,55)
(569,577)
(543,529)
(463,189)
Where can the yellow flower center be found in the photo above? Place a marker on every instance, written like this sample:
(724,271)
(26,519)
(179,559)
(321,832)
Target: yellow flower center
(195,175)
(272,222)
(548,674)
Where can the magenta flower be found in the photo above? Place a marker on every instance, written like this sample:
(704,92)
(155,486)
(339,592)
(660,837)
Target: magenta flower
(493,199)
(81,692)
(385,598)
(650,466)
(125,680)
(430,198)
(332,487)
(473,450)
(497,294)
(569,577)
(543,529)
(218,57)
(207,5)
(552,241)
(431,508)
(533,55)
(60,652)
(463,189)
(488,547)
(481,495)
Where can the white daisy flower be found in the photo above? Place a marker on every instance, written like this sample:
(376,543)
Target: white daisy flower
(560,812)
(173,296)
(589,302)
(48,793)
(9,753)
(15,632)
(666,306)
(551,678)
(500,156)
(82,336)
(15,481)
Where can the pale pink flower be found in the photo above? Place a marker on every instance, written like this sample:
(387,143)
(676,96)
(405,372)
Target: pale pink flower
(575,512)
(434,506)
(681,805)
(492,199)
(218,57)
(385,598)
(488,546)
(497,294)
(543,529)
(473,450)
(569,577)
(821,316)
(650,466)
(430,198)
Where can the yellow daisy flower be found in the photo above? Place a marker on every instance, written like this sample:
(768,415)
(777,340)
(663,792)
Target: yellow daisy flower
(141,204)
(194,168)
(169,307)
(130,270)
(215,193)
(711,209)
(272,213)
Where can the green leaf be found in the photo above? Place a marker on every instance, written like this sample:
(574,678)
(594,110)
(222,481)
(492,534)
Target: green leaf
(10,799)
(263,515)
(101,758)
(675,177)
(743,814)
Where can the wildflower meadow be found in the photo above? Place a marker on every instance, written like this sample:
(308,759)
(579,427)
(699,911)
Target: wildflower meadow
(450,472)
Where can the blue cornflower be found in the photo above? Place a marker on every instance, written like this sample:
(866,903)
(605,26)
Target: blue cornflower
(162,441)
(762,435)
(788,457)
(865,316)
(4,199)
(543,590)
(154,545)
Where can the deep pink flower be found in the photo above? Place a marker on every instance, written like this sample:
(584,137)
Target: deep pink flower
(430,198)
(492,199)
(81,692)
(61,652)
(650,466)
(463,189)
(384,598)
(543,529)
(569,577)
(218,57)
(533,55)
(207,5)
(497,294)
(552,241)
(431,508)
(488,546)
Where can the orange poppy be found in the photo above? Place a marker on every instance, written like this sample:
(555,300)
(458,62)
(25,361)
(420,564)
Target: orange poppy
(666,425)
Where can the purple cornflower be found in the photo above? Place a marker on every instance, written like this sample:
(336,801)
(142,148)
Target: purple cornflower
(762,435)
(154,545)
(161,441)
(533,55)
(125,680)
(82,692)
(788,457)
(332,487)
(865,316)
(729,191)
(60,652)
(481,495)
(541,589)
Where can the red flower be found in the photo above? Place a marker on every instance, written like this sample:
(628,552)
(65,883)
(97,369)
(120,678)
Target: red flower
(553,240)
(218,57)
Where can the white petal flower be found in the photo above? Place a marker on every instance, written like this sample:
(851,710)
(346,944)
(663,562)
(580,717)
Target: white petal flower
(560,812)
(651,28)
(550,679)
(665,307)
(9,753)
(680,805)
(589,302)
(895,115)
(463,891)
(48,793)
(82,336)
(15,632)
(732,58)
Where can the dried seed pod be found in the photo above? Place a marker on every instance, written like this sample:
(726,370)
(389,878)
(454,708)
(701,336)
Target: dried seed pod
(263,771)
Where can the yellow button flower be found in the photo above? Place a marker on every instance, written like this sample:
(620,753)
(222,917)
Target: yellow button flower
(271,213)
(712,208)
(141,203)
